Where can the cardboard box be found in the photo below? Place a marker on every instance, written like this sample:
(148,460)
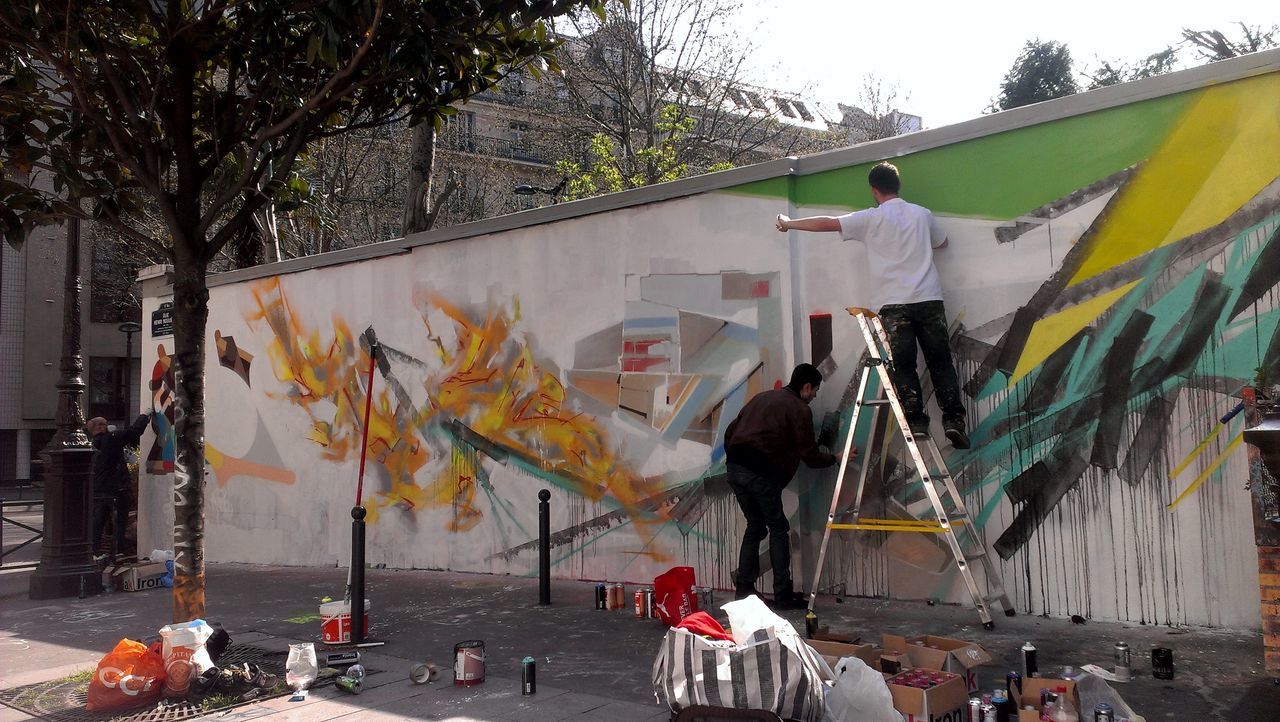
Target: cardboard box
(944,702)
(135,577)
(1031,696)
(833,652)
(944,653)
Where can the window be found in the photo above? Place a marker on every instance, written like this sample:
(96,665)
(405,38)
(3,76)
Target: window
(804,111)
(519,136)
(696,88)
(784,106)
(738,98)
(108,388)
(459,130)
(757,101)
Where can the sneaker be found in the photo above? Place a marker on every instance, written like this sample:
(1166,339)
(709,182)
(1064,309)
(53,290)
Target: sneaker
(920,429)
(957,437)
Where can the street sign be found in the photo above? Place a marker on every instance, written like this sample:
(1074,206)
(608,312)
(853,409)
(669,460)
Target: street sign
(162,320)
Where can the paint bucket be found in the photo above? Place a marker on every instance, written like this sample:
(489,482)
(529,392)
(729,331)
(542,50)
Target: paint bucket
(335,621)
(424,673)
(468,663)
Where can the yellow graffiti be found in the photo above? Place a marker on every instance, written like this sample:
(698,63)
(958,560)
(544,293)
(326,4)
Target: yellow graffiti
(1191,489)
(483,376)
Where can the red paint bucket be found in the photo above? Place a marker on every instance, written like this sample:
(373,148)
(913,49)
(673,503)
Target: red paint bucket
(468,663)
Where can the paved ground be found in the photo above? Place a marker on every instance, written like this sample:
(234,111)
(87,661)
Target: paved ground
(591,665)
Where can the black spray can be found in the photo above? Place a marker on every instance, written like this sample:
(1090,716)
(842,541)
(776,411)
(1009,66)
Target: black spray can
(1013,684)
(810,625)
(528,676)
(1029,668)
(602,596)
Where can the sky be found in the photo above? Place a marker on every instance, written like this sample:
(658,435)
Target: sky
(947,58)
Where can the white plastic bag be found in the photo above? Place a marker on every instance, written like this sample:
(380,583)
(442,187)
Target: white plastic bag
(859,694)
(300,669)
(184,655)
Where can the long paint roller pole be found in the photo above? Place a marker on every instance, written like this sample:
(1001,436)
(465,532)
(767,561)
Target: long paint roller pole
(355,578)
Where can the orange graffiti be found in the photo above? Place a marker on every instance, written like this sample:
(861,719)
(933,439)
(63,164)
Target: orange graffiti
(484,376)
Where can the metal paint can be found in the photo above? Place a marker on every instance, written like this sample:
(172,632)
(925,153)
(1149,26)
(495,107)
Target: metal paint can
(810,624)
(617,596)
(637,601)
(653,605)
(975,710)
(1162,663)
(424,673)
(350,685)
(1029,668)
(602,596)
(528,676)
(1122,670)
(1104,713)
(705,597)
(468,663)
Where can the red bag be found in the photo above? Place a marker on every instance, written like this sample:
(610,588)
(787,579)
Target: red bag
(673,595)
(704,625)
(129,676)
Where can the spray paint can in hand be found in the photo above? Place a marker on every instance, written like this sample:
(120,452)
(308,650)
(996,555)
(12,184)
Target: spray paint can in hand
(528,676)
(1029,668)
(1122,662)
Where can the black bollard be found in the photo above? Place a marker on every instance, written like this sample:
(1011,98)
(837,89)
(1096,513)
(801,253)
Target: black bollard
(357,574)
(544,548)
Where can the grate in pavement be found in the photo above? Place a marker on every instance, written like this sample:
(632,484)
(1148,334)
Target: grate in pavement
(63,701)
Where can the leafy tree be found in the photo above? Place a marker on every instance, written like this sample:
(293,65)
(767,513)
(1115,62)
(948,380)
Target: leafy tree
(1113,73)
(1041,72)
(605,171)
(200,110)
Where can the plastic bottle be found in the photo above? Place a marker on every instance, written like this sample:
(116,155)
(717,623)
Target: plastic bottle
(1066,711)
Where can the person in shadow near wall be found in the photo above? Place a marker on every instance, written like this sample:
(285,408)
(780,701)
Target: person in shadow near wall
(763,447)
(112,486)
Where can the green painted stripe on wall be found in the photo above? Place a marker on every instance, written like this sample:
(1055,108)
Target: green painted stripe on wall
(1005,175)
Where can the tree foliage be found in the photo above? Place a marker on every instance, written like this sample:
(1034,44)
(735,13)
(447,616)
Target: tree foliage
(1212,45)
(200,111)
(1041,72)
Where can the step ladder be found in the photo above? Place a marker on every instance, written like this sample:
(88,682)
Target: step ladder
(953,520)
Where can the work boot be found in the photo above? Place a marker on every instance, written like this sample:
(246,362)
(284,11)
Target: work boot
(789,601)
(744,593)
(919,429)
(955,434)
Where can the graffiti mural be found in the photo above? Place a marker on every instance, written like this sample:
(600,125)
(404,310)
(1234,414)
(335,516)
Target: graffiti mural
(1111,288)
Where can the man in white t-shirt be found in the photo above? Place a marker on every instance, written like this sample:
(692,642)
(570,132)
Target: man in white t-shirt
(900,238)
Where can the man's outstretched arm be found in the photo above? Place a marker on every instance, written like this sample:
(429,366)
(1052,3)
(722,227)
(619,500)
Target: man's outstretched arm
(811,223)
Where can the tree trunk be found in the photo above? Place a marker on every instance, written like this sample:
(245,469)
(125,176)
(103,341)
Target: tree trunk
(190,317)
(417,200)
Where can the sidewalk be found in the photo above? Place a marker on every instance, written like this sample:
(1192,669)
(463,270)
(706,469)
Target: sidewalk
(591,664)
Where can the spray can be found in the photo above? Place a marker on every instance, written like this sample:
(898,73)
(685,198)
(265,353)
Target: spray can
(342,659)
(1013,684)
(1104,713)
(1029,668)
(810,624)
(975,710)
(528,676)
(1122,662)
(988,712)
(602,596)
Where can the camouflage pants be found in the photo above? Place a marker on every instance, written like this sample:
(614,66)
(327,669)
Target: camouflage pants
(923,323)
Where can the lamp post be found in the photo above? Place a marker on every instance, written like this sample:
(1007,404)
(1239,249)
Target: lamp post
(66,554)
(129,328)
(524,189)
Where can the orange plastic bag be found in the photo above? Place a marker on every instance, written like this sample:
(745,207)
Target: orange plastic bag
(131,675)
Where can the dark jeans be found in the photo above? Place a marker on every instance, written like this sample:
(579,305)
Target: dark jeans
(924,323)
(761,501)
(102,507)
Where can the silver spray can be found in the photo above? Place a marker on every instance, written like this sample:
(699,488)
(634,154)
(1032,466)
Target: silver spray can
(1122,670)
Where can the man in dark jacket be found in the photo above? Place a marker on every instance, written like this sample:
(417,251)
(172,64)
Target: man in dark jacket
(763,448)
(111,481)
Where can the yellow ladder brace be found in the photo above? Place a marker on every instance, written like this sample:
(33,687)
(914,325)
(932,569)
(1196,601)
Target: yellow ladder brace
(930,527)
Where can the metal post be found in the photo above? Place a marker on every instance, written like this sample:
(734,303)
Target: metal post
(544,548)
(66,553)
(357,574)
